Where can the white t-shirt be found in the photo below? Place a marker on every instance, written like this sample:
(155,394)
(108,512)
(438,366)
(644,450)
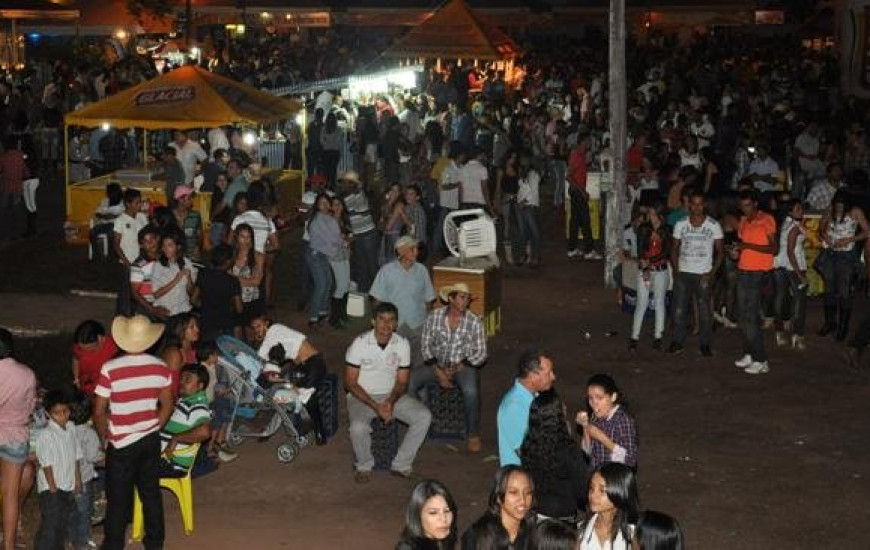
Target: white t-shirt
(471,179)
(188,155)
(528,193)
(281,334)
(378,367)
(262,226)
(449,198)
(696,244)
(589,541)
(128,228)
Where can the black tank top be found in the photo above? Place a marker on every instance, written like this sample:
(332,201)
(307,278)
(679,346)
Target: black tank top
(510,184)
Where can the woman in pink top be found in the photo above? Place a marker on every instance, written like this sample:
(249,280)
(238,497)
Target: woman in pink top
(17,398)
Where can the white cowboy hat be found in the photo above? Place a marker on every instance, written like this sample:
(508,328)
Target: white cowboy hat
(350,175)
(135,334)
(445,291)
(404,241)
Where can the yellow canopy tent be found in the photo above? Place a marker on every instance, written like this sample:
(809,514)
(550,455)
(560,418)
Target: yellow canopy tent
(188,97)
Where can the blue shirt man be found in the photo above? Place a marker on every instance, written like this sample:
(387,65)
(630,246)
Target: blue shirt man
(406,284)
(535,374)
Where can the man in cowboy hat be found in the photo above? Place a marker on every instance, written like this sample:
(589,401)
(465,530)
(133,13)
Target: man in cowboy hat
(366,239)
(454,350)
(133,401)
(407,284)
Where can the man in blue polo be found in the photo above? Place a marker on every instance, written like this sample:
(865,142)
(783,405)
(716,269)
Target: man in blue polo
(406,283)
(534,375)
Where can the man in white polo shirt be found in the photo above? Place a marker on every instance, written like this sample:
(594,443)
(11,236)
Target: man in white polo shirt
(376,377)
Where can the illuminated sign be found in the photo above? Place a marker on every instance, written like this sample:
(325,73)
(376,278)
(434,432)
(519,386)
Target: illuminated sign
(161,96)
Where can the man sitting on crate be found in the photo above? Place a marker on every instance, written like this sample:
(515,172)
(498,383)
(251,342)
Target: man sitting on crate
(454,349)
(376,379)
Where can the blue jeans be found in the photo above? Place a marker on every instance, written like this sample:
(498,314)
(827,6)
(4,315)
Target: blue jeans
(687,285)
(529,232)
(364,259)
(788,286)
(305,284)
(749,286)
(321,274)
(80,525)
(468,380)
(838,274)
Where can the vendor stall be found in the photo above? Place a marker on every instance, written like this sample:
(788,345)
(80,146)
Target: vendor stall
(187,98)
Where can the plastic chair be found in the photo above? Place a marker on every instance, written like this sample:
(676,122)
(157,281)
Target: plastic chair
(181,487)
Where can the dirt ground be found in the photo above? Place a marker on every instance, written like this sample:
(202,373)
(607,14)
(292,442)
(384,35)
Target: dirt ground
(780,460)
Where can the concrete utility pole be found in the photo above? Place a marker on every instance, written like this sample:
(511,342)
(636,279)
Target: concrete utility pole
(618,139)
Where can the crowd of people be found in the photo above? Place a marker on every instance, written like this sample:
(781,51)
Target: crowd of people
(733,142)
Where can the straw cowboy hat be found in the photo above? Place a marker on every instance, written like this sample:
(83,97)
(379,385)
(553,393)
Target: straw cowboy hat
(350,175)
(135,334)
(404,241)
(445,291)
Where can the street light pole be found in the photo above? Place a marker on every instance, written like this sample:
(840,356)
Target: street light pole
(618,139)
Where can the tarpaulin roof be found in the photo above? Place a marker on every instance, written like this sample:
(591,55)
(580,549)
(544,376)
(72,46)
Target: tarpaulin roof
(454,32)
(189,97)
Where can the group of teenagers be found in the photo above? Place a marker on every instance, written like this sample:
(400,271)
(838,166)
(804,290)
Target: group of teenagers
(555,489)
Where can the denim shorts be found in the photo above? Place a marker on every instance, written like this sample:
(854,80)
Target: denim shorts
(222,407)
(15,453)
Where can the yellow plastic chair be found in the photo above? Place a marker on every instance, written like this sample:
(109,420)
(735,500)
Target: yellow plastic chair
(181,487)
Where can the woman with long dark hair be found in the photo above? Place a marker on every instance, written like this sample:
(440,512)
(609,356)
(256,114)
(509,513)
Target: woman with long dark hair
(249,272)
(174,275)
(179,345)
(657,531)
(507,189)
(326,242)
(654,249)
(508,522)
(609,432)
(553,459)
(613,505)
(840,229)
(331,140)
(340,265)
(430,518)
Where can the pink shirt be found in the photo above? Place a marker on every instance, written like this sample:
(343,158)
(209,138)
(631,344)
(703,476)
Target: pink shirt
(17,399)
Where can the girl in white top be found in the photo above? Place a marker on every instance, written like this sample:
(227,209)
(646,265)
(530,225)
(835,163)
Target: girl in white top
(844,226)
(613,503)
(174,275)
(790,276)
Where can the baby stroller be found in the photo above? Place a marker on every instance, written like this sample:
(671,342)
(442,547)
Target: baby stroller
(258,412)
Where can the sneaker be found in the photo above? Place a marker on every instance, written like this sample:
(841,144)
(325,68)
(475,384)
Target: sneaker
(781,339)
(797,342)
(593,255)
(632,344)
(728,323)
(743,363)
(574,253)
(657,344)
(757,367)
(706,351)
(227,456)
(362,476)
(675,349)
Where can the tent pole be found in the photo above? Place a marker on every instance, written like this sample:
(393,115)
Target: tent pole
(145,148)
(66,165)
(304,131)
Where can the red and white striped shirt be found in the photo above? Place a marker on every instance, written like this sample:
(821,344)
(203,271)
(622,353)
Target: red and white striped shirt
(132,384)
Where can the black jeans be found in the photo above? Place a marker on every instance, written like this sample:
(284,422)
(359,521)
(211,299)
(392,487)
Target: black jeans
(364,259)
(134,466)
(57,510)
(579,220)
(686,286)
